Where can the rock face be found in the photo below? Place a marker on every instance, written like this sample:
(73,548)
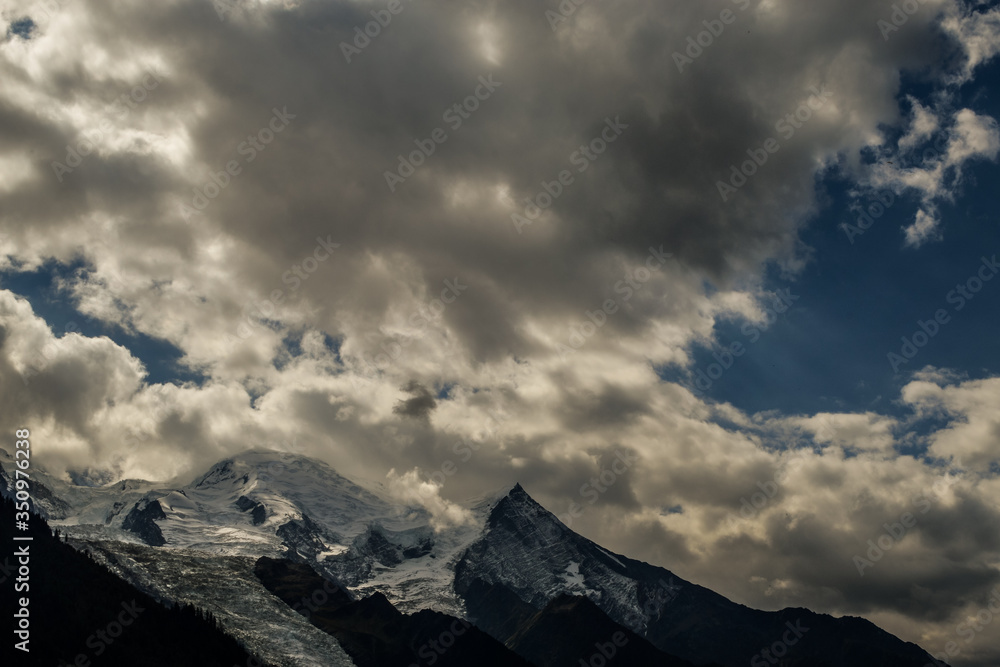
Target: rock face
(376,634)
(379,548)
(304,537)
(142,521)
(256,509)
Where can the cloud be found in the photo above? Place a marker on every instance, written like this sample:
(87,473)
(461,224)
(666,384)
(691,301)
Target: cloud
(977,31)
(865,432)
(925,227)
(418,407)
(431,285)
(66,382)
(922,125)
(972,435)
(410,488)
(934,171)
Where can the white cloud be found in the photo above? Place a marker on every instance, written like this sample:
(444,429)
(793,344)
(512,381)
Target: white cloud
(973,433)
(532,414)
(412,489)
(925,227)
(863,432)
(923,124)
(977,31)
(934,172)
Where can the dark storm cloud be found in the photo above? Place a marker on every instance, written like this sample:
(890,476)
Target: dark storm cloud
(419,406)
(655,185)
(583,409)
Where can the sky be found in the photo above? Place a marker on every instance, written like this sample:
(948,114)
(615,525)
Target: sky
(748,244)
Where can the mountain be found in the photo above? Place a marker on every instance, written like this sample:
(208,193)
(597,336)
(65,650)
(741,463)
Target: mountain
(201,543)
(528,554)
(79,613)
(375,633)
(584,632)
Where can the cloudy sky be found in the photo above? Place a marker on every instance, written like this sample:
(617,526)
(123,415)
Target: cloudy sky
(452,245)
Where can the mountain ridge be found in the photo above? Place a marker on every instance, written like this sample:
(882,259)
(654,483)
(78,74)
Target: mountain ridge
(499,570)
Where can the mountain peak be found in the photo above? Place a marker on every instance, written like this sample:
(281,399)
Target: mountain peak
(518,496)
(264,463)
(520,513)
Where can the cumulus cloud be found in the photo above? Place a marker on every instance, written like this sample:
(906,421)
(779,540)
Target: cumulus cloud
(420,405)
(977,29)
(973,432)
(925,227)
(923,124)
(411,488)
(308,293)
(934,171)
(850,431)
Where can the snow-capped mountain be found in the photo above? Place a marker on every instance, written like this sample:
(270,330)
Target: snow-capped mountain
(498,571)
(526,558)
